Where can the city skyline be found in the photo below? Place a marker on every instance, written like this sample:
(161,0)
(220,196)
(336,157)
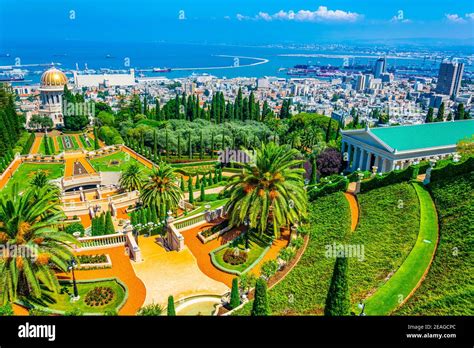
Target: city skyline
(246,22)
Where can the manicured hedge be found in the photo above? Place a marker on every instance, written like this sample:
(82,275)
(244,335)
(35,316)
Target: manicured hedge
(354,176)
(393,177)
(29,143)
(452,169)
(340,183)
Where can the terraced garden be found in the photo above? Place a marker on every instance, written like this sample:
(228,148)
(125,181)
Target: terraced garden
(387,230)
(448,288)
(26,171)
(115,162)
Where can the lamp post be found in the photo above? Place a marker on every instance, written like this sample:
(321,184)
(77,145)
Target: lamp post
(361,306)
(72,265)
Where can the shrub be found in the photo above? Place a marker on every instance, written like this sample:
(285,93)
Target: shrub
(234,295)
(452,169)
(75,312)
(235,256)
(152,309)
(75,227)
(260,303)
(338,299)
(269,268)
(100,258)
(325,188)
(297,242)
(6,310)
(286,254)
(170,310)
(393,177)
(247,281)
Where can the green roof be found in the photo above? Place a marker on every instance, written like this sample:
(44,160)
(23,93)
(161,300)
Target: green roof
(404,138)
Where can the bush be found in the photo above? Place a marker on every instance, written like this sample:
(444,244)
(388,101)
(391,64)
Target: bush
(6,310)
(340,183)
(287,254)
(452,169)
(297,242)
(235,256)
(170,310)
(338,300)
(100,258)
(260,303)
(393,177)
(150,310)
(75,227)
(235,295)
(269,268)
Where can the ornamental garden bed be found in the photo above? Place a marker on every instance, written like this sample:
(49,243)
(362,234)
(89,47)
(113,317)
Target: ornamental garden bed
(233,257)
(214,232)
(94,261)
(97,297)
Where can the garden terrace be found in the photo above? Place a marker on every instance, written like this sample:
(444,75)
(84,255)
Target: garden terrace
(115,162)
(26,171)
(89,302)
(447,288)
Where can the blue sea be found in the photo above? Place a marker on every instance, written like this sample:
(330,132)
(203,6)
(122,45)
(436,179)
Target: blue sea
(149,55)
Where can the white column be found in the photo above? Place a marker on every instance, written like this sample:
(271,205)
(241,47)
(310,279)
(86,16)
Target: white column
(368,161)
(363,155)
(355,160)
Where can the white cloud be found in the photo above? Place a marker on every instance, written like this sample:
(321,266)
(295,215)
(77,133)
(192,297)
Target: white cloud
(470,15)
(455,18)
(322,14)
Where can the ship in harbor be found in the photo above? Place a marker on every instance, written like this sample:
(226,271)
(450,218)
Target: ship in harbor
(161,70)
(305,70)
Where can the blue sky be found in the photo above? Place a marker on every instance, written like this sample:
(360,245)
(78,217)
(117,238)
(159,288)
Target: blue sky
(235,22)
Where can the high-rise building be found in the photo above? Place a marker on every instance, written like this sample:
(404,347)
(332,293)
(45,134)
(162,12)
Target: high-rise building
(379,68)
(360,82)
(449,78)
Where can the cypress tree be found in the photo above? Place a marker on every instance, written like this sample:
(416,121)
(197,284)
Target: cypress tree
(212,145)
(197,183)
(179,146)
(190,190)
(260,302)
(201,146)
(459,115)
(338,299)
(314,171)
(328,131)
(171,312)
(190,146)
(181,186)
(429,116)
(96,139)
(109,224)
(203,193)
(234,295)
(440,115)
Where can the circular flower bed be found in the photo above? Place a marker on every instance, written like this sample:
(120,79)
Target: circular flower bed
(235,256)
(99,296)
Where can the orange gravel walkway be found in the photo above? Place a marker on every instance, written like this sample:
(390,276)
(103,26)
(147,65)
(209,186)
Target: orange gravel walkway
(85,220)
(7,175)
(36,144)
(351,198)
(121,269)
(272,254)
(146,163)
(201,252)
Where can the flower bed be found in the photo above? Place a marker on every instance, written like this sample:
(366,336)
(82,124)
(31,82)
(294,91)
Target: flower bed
(99,296)
(214,232)
(94,261)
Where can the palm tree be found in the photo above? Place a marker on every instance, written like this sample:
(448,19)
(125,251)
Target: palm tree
(40,181)
(162,191)
(28,225)
(269,190)
(132,178)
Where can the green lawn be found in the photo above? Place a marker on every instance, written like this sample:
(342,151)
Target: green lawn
(214,205)
(122,159)
(399,286)
(62,302)
(84,143)
(303,291)
(257,247)
(448,288)
(26,172)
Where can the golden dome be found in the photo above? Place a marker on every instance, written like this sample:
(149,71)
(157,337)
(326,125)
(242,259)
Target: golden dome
(53,77)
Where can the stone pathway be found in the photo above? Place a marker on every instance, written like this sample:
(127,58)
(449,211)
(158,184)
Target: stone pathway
(174,273)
